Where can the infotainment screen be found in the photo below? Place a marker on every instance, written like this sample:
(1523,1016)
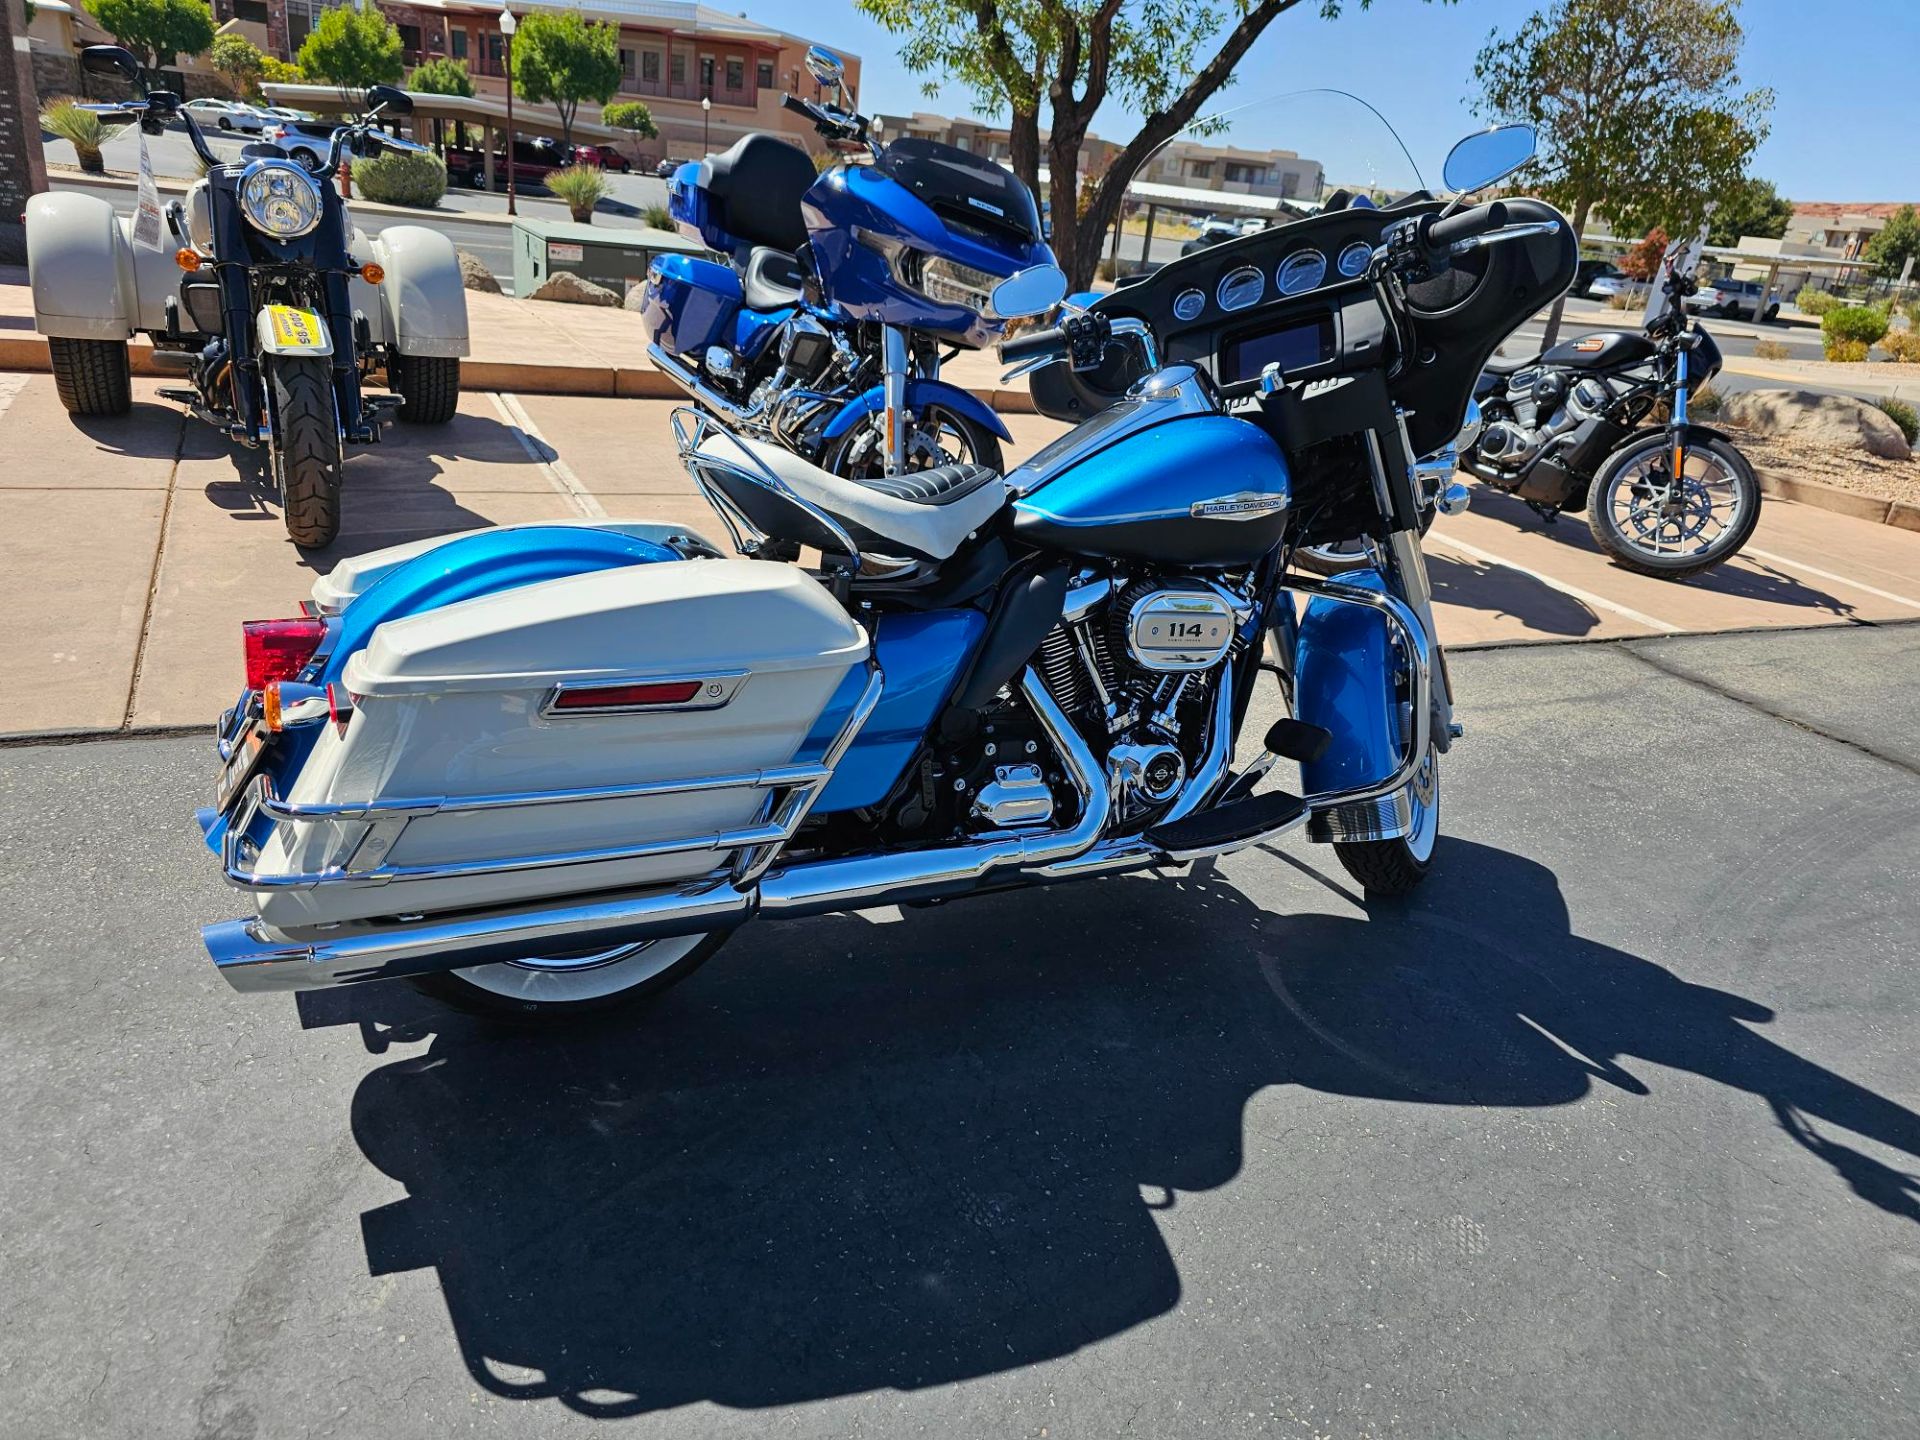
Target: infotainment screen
(1295,346)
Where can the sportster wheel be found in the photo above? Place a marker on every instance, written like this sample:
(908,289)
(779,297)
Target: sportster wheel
(304,444)
(562,986)
(1388,868)
(1652,526)
(940,437)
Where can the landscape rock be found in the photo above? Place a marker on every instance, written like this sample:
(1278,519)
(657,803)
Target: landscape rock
(475,275)
(565,285)
(636,297)
(1832,422)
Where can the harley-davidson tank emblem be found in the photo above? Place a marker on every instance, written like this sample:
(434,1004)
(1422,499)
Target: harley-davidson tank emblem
(1247,505)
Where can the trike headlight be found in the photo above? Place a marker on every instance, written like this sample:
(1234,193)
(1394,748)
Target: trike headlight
(280,197)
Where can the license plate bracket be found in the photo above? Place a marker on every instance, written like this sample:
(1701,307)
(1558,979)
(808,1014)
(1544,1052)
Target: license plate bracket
(245,756)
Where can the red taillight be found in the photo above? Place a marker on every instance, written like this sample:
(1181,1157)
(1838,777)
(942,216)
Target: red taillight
(626,697)
(279,649)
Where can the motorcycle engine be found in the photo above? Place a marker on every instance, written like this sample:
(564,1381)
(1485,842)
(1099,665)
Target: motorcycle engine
(1512,443)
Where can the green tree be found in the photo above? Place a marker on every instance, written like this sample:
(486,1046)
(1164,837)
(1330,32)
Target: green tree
(239,62)
(1898,243)
(353,49)
(1749,207)
(281,72)
(563,59)
(441,77)
(1638,104)
(157,31)
(1159,59)
(630,115)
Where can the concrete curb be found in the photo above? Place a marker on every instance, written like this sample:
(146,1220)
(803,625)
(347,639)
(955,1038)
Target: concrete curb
(29,352)
(1876,508)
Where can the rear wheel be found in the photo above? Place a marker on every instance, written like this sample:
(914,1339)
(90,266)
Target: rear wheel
(428,386)
(92,377)
(1390,868)
(560,987)
(304,443)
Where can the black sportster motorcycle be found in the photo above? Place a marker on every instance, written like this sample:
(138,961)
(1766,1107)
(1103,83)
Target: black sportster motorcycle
(258,289)
(1601,422)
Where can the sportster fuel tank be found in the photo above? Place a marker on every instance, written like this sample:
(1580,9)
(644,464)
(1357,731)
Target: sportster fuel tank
(1157,480)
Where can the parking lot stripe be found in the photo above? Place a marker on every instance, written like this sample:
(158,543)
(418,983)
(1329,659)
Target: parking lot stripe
(1585,597)
(10,388)
(542,453)
(1829,575)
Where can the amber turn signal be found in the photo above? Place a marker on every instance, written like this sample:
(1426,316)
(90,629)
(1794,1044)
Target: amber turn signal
(270,705)
(372,273)
(187,259)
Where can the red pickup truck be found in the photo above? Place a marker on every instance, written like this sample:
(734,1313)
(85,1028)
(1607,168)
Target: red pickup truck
(533,161)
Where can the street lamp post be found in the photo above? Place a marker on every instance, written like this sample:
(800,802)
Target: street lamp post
(507,26)
(706,117)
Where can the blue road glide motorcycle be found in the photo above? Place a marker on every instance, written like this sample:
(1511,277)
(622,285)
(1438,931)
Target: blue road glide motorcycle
(552,767)
(823,330)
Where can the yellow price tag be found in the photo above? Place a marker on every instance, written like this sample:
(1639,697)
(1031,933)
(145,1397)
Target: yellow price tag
(294,327)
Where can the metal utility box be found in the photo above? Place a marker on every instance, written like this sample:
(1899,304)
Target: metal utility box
(614,256)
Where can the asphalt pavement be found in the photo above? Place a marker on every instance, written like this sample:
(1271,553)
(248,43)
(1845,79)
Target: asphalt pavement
(1610,1130)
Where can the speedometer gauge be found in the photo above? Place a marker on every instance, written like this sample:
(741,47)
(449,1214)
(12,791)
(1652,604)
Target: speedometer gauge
(1241,288)
(1188,304)
(1301,271)
(1354,259)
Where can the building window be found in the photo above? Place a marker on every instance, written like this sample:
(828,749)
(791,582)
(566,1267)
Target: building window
(458,39)
(706,74)
(409,40)
(1201,170)
(763,74)
(963,142)
(1246,174)
(254,11)
(650,66)
(679,69)
(736,75)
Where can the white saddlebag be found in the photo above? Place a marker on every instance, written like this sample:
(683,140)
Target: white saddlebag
(460,703)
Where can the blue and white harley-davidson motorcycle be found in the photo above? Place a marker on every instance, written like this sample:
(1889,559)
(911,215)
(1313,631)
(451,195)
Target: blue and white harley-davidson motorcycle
(823,330)
(553,767)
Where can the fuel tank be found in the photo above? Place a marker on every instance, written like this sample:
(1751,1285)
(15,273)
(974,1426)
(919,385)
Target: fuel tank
(1198,490)
(1601,350)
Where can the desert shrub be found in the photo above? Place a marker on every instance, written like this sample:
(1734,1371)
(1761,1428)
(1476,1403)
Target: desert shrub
(1902,346)
(1842,351)
(1706,401)
(582,187)
(1772,350)
(630,115)
(1105,269)
(1903,415)
(396,179)
(659,217)
(1851,325)
(1626,300)
(1816,302)
(80,128)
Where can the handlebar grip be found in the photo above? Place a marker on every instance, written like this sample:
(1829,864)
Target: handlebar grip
(796,104)
(1467,224)
(1051,341)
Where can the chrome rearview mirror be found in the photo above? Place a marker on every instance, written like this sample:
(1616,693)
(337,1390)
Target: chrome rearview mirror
(825,67)
(1479,160)
(113,60)
(1032,291)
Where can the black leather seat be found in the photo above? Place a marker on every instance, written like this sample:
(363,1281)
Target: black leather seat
(1510,364)
(760,181)
(772,280)
(941,485)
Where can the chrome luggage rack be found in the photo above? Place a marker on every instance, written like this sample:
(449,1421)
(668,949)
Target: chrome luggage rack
(692,430)
(791,792)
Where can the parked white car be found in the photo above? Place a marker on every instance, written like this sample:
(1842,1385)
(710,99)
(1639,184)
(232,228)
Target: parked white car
(1606,286)
(1736,299)
(232,116)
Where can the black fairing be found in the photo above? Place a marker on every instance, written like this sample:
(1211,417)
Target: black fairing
(760,180)
(1602,350)
(963,189)
(1706,360)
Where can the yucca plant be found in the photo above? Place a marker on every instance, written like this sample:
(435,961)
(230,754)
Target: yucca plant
(80,128)
(582,187)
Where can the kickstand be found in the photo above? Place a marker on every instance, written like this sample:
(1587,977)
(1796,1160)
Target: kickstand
(1548,515)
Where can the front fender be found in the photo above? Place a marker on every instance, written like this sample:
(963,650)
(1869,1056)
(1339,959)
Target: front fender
(920,393)
(1345,671)
(422,293)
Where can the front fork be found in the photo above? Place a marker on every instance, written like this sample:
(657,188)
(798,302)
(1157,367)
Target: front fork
(1677,429)
(896,360)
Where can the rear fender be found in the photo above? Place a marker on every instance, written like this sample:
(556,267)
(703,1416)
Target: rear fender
(363,298)
(422,295)
(80,268)
(920,394)
(1345,672)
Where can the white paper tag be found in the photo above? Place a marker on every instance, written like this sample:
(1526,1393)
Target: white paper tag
(146,210)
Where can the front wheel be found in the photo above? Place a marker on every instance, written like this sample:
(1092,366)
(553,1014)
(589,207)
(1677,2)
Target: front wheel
(428,387)
(1387,869)
(304,443)
(940,437)
(1651,525)
(92,377)
(562,987)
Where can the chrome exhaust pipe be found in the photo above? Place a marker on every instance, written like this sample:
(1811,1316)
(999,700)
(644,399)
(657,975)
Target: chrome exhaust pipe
(688,380)
(254,957)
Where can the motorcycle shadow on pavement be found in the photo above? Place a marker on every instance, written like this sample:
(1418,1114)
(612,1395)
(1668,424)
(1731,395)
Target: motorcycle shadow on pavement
(851,1156)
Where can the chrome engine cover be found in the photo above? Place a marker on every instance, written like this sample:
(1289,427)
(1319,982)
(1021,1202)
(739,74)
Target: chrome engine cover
(1179,629)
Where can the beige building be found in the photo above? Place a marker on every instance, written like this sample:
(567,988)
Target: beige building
(993,141)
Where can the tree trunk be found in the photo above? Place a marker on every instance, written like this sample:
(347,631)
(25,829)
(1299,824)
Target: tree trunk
(1581,210)
(1075,247)
(1023,149)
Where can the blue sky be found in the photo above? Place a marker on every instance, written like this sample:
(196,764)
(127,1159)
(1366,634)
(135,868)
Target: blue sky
(1840,130)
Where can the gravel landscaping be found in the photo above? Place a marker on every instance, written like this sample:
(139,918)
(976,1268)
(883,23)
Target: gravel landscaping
(1846,470)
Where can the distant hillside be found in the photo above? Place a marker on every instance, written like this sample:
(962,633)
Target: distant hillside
(1834,209)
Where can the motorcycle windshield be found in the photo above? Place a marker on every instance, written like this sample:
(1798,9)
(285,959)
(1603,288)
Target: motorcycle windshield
(1280,158)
